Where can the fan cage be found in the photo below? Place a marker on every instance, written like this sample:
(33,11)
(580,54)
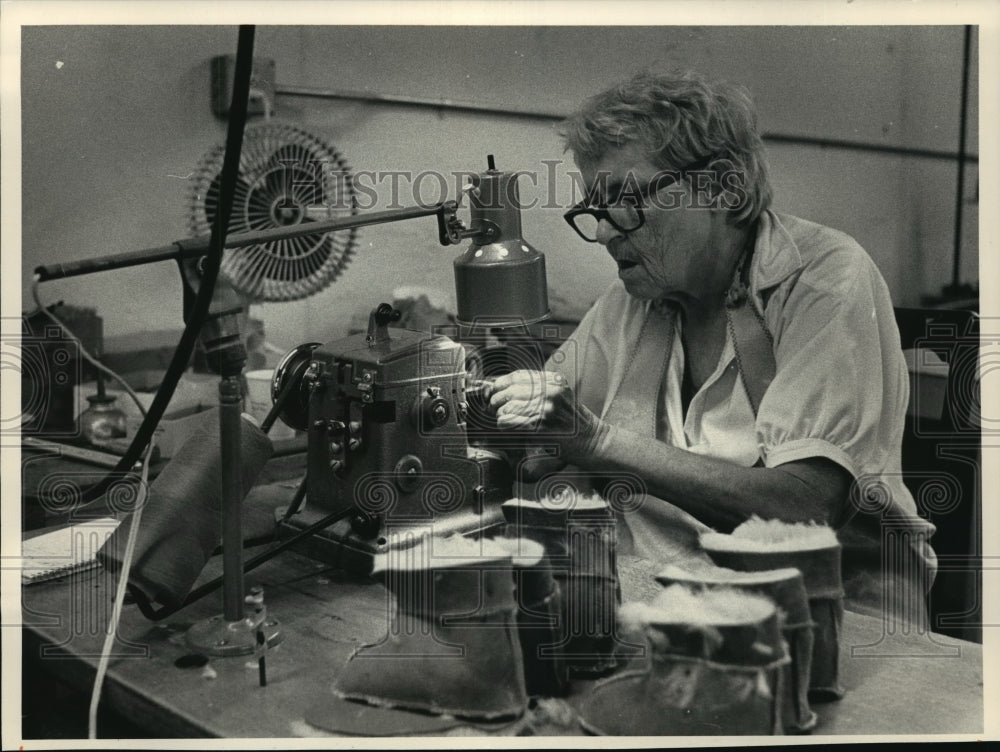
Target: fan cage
(287,177)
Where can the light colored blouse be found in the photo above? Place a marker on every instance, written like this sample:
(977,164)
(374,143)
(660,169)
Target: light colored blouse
(841,386)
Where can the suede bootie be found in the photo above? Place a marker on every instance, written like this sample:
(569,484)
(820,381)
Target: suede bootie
(539,617)
(714,667)
(759,545)
(786,588)
(452,645)
(579,542)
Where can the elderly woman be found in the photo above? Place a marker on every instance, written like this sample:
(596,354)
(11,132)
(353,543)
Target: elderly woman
(743,363)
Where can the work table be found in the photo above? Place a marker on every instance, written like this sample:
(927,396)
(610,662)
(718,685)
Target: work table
(898,681)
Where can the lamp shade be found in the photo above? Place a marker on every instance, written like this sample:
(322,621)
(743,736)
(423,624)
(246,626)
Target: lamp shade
(500,278)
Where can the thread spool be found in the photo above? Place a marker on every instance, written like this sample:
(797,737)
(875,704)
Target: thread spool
(181,524)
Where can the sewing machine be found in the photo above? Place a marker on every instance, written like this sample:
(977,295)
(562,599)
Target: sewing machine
(387,411)
(386,414)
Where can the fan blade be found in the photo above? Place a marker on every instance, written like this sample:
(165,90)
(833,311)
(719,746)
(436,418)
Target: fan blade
(280,161)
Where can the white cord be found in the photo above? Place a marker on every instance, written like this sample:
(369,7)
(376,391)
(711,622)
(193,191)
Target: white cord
(116,612)
(109,640)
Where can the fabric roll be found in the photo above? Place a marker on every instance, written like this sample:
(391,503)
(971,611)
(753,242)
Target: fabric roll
(181,523)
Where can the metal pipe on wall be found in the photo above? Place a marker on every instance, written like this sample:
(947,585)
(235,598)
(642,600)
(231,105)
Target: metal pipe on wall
(451,105)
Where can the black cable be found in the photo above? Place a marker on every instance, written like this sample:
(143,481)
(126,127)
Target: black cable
(251,542)
(279,403)
(956,271)
(199,311)
(146,607)
(300,495)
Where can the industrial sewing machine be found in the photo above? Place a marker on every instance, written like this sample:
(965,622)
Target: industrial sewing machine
(387,411)
(386,414)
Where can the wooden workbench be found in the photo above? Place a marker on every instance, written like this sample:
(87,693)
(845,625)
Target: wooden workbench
(901,683)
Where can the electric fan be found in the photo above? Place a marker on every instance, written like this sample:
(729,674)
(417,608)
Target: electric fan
(287,177)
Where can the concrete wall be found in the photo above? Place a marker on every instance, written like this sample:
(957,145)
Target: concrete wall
(114,120)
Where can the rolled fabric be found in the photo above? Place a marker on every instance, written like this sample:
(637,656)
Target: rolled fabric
(181,522)
(715,668)
(787,589)
(759,545)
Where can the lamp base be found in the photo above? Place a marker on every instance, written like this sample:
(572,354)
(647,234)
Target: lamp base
(216,636)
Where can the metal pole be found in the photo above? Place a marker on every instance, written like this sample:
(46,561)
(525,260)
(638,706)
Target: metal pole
(548,116)
(231,454)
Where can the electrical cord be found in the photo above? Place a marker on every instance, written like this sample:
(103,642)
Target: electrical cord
(210,272)
(172,376)
(116,611)
(266,425)
(300,495)
(279,404)
(252,542)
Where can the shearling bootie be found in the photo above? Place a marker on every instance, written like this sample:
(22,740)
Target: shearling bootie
(759,545)
(714,667)
(539,618)
(786,588)
(578,536)
(452,644)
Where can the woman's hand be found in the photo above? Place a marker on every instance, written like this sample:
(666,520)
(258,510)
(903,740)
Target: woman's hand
(543,402)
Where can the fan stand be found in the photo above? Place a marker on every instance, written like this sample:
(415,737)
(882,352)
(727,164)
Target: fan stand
(233,633)
(274,192)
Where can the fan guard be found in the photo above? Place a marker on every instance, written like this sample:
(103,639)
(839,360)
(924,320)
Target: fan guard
(287,176)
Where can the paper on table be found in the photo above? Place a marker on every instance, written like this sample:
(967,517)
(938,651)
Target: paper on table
(64,551)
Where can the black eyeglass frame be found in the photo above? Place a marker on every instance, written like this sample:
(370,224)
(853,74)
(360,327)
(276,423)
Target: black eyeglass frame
(662,179)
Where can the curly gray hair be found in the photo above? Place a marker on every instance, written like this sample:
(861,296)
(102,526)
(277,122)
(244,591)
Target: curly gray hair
(679,119)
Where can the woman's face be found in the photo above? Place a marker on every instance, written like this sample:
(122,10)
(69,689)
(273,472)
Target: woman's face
(668,256)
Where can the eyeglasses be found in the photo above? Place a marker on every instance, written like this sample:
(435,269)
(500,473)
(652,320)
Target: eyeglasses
(626,213)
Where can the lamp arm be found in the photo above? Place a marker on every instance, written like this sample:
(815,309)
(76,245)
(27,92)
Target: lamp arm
(450,232)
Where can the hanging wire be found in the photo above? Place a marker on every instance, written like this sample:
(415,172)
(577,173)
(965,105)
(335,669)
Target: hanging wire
(83,350)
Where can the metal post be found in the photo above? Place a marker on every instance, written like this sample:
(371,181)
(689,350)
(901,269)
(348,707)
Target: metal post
(231,454)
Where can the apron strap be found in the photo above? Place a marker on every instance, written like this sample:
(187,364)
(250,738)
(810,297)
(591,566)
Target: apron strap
(752,342)
(636,403)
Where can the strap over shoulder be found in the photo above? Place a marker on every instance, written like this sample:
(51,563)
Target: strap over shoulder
(752,342)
